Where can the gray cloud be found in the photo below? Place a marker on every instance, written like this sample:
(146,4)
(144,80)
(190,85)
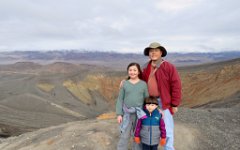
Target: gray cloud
(124,26)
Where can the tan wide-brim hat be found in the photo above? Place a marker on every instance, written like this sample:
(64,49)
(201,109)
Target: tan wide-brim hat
(155,45)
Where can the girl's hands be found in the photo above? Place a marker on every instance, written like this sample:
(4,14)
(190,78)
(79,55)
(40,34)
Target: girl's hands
(119,119)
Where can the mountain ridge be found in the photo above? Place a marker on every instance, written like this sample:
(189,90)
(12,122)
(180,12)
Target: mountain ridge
(110,59)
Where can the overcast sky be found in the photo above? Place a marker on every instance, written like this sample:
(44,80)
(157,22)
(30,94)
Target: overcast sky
(122,26)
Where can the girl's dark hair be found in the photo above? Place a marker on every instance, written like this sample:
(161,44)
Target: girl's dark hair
(150,100)
(138,67)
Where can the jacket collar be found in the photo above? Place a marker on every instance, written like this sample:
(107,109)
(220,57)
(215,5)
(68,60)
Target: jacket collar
(158,63)
(155,111)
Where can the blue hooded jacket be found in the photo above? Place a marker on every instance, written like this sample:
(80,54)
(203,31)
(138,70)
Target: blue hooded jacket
(151,128)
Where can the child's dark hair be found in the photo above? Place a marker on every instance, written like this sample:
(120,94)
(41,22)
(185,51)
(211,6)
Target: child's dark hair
(138,67)
(150,100)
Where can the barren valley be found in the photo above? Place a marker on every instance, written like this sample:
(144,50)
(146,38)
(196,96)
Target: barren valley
(71,106)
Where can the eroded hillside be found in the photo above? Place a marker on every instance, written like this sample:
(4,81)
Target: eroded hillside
(211,82)
(201,84)
(107,86)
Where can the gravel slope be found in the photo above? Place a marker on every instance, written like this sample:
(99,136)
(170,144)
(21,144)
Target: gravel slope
(195,129)
(219,126)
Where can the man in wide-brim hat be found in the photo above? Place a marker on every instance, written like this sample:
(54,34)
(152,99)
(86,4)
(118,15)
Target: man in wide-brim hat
(155,45)
(164,83)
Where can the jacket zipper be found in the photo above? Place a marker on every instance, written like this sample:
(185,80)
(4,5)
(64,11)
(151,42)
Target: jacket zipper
(150,129)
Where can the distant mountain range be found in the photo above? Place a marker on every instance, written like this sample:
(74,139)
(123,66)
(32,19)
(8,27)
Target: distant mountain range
(110,58)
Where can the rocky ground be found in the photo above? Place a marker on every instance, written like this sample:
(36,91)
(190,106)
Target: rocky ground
(87,135)
(218,124)
(195,129)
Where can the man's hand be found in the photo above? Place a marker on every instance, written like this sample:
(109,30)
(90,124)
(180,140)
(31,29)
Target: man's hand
(121,84)
(174,109)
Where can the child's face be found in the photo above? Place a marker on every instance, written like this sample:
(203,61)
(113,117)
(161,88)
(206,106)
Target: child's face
(133,72)
(151,107)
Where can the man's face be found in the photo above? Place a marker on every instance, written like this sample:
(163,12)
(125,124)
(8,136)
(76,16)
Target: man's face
(155,54)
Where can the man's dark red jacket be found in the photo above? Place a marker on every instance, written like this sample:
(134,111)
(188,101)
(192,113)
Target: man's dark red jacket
(168,81)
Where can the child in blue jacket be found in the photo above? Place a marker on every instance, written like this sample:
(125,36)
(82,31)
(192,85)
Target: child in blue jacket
(151,130)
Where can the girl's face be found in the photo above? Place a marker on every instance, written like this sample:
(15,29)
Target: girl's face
(133,72)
